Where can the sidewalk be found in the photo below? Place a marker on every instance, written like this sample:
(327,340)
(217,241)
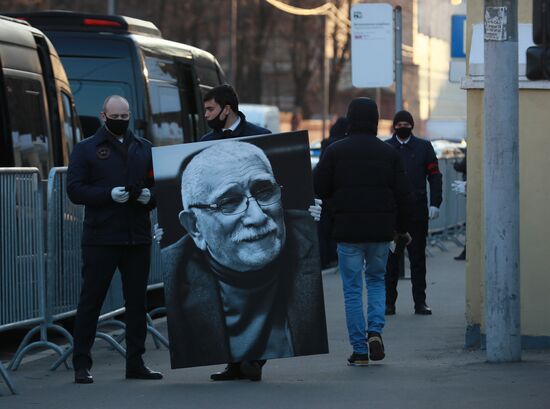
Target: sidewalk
(425,367)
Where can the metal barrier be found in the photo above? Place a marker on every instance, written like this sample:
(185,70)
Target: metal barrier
(39,288)
(64,268)
(6,377)
(452,217)
(450,224)
(22,297)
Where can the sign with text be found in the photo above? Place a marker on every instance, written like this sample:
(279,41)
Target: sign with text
(372,45)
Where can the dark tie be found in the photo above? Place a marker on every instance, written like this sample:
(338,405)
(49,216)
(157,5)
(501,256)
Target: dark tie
(227,133)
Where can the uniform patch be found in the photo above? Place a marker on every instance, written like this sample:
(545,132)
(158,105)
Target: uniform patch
(103,152)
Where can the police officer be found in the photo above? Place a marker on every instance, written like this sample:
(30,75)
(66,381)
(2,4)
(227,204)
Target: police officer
(111,174)
(420,164)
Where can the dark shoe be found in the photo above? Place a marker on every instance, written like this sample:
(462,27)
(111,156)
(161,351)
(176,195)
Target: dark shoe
(230,373)
(390,309)
(376,347)
(422,309)
(142,373)
(461,256)
(251,370)
(358,359)
(83,376)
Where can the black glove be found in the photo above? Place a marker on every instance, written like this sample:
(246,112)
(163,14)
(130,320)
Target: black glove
(134,190)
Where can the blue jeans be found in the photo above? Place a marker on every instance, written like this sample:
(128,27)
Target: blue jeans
(353,259)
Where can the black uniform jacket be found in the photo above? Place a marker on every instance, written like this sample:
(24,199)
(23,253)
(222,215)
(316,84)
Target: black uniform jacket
(97,165)
(369,191)
(244,128)
(421,163)
(196,323)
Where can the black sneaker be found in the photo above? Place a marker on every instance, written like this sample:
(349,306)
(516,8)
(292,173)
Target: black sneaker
(376,347)
(358,359)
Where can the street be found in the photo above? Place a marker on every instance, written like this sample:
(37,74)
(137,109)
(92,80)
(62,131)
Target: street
(425,367)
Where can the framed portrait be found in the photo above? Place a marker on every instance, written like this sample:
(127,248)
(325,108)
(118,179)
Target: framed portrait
(239,250)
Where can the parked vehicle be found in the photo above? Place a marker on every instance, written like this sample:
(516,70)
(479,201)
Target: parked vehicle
(266,116)
(38,122)
(107,54)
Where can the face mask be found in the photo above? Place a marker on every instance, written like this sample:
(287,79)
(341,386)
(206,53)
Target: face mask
(217,124)
(117,126)
(403,133)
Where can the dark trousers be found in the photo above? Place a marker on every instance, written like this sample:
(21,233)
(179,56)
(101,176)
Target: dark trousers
(417,257)
(99,265)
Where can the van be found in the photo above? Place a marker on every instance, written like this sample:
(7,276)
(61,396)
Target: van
(162,80)
(266,116)
(38,121)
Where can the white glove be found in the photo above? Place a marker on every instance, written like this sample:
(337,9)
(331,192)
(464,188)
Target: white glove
(459,186)
(158,232)
(433,212)
(119,194)
(315,210)
(144,196)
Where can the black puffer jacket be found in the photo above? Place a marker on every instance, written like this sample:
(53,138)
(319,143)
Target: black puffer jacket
(365,180)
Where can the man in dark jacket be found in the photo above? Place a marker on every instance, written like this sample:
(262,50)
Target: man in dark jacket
(421,164)
(111,174)
(221,110)
(365,181)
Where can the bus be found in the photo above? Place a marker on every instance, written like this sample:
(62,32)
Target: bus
(163,80)
(38,121)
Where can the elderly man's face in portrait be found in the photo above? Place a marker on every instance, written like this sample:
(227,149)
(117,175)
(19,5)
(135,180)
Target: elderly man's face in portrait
(239,214)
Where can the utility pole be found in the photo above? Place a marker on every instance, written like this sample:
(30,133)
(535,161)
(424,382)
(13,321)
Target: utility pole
(398,68)
(233,39)
(398,59)
(111,6)
(501,182)
(325,72)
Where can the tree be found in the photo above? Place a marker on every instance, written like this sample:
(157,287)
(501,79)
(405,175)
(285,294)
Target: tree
(255,22)
(340,37)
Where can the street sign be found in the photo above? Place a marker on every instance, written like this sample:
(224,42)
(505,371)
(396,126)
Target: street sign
(458,23)
(372,45)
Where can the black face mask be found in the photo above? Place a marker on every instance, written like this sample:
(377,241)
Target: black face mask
(117,126)
(217,124)
(403,133)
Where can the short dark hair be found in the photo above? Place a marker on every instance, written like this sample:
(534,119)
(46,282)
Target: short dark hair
(223,95)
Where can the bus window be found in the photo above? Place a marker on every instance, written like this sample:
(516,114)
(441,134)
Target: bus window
(167,109)
(89,97)
(71,131)
(28,123)
(166,124)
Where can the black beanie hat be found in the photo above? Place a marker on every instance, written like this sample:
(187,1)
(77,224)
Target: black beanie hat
(403,116)
(363,115)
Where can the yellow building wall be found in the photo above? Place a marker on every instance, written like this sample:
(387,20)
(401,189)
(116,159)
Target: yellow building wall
(534,154)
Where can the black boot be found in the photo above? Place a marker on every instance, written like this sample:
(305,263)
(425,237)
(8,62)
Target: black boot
(230,373)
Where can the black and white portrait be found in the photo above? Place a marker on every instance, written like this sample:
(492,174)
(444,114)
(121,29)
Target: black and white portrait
(242,279)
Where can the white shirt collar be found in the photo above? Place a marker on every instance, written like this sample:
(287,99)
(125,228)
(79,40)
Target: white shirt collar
(234,125)
(403,142)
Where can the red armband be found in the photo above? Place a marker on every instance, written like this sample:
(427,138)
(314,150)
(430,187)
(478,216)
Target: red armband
(433,168)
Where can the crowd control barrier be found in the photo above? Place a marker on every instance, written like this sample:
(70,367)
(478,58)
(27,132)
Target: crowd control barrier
(41,267)
(64,268)
(6,377)
(450,225)
(22,271)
